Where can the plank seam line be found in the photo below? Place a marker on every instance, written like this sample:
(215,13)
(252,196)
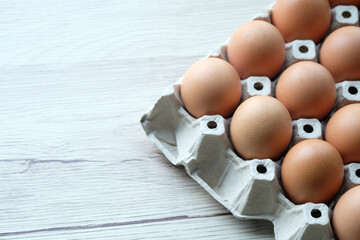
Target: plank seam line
(109,225)
(30,162)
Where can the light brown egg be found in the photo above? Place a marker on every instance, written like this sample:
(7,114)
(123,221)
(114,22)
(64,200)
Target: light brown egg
(211,86)
(261,128)
(312,171)
(343,132)
(340,53)
(302,19)
(307,89)
(256,49)
(334,3)
(346,215)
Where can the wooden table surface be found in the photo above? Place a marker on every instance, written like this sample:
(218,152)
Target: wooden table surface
(76,76)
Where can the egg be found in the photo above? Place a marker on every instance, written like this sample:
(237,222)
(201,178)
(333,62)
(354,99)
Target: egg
(334,3)
(312,171)
(343,132)
(340,53)
(346,215)
(307,89)
(211,86)
(261,128)
(256,49)
(302,19)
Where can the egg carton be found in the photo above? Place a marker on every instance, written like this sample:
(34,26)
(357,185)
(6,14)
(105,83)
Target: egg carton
(249,189)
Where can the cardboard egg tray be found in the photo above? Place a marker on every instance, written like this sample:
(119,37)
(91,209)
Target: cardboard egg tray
(251,189)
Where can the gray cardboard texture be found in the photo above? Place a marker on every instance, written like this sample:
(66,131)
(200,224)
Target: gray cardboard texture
(249,189)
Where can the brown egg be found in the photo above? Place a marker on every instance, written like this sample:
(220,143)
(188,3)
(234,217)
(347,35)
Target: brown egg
(312,171)
(302,19)
(343,132)
(346,215)
(334,3)
(307,89)
(340,53)
(211,86)
(261,128)
(257,49)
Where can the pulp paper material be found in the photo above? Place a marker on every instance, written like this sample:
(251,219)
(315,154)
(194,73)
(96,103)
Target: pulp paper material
(347,92)
(305,128)
(249,189)
(342,16)
(254,86)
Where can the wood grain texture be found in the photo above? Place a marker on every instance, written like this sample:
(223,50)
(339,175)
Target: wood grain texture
(76,76)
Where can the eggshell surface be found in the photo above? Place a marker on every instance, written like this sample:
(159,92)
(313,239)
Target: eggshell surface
(340,53)
(346,215)
(261,128)
(211,86)
(256,49)
(307,89)
(302,19)
(312,171)
(334,3)
(343,132)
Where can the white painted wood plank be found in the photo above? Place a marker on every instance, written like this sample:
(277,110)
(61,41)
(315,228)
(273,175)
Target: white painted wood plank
(44,197)
(212,228)
(79,111)
(60,32)
(53,194)
(76,76)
